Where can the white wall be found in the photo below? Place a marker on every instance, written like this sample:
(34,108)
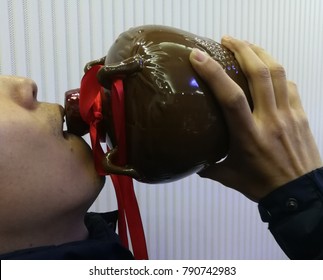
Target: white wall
(50,41)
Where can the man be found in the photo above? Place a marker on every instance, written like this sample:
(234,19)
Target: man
(48,180)
(47,183)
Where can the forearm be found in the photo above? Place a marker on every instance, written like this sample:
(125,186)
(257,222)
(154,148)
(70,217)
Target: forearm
(295,216)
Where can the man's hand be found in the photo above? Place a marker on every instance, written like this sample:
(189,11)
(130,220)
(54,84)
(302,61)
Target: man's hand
(270,145)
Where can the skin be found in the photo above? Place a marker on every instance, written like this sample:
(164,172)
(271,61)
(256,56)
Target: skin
(47,177)
(270,145)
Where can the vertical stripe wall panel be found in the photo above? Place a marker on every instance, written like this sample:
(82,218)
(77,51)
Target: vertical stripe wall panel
(50,41)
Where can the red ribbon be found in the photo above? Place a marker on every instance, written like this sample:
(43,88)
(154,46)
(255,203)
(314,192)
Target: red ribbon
(91,112)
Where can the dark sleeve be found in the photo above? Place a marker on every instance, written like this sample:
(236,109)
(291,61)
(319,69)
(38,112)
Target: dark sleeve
(295,216)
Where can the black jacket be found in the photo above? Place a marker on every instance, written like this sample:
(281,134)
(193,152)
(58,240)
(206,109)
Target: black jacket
(103,244)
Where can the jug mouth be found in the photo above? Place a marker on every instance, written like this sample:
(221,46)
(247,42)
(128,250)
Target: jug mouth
(74,122)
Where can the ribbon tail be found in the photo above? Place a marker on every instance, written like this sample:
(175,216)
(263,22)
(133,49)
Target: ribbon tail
(122,225)
(127,193)
(134,221)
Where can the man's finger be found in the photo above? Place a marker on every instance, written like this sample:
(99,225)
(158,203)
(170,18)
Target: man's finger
(229,95)
(258,75)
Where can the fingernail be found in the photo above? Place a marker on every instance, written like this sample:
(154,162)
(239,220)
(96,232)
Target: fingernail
(198,55)
(227,38)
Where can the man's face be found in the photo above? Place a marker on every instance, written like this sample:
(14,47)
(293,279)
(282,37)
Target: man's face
(41,167)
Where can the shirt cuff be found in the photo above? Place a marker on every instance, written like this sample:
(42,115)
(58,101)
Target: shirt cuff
(295,216)
(293,197)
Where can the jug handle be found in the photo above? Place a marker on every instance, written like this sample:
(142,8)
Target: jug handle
(120,70)
(113,168)
(90,64)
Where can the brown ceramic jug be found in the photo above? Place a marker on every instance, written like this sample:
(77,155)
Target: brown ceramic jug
(173,125)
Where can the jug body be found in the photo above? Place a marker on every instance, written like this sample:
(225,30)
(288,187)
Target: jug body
(173,124)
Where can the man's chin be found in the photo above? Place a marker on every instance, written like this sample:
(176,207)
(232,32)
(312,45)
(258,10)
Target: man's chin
(81,147)
(75,138)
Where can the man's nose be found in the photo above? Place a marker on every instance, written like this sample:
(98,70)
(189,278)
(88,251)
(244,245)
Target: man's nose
(18,87)
(28,87)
